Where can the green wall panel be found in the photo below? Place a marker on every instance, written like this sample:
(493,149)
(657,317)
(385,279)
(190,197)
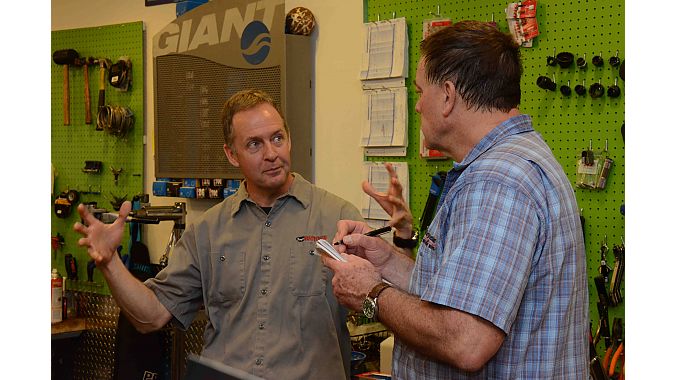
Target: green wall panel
(567,124)
(78,142)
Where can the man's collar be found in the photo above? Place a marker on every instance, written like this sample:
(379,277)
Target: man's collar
(300,190)
(512,126)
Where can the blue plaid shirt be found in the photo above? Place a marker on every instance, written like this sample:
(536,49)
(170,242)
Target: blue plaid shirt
(506,245)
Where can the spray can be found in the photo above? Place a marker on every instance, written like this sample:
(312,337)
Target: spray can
(57,295)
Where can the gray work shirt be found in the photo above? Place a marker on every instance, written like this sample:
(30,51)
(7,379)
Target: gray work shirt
(268,299)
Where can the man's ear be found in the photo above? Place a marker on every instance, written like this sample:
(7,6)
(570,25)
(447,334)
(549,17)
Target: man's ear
(450,93)
(232,157)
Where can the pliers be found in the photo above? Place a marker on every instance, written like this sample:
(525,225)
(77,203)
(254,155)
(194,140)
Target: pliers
(615,351)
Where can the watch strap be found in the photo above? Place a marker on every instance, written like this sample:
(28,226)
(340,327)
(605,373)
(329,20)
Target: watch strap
(377,289)
(405,243)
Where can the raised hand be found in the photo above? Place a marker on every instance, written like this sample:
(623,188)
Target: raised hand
(393,203)
(101,239)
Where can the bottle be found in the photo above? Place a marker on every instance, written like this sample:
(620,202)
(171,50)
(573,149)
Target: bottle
(57,295)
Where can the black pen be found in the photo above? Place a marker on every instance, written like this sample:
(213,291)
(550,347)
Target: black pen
(376,232)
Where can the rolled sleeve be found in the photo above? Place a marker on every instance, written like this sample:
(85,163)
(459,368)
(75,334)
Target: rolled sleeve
(178,286)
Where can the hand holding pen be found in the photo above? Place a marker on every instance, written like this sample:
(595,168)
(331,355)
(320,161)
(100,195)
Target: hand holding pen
(376,232)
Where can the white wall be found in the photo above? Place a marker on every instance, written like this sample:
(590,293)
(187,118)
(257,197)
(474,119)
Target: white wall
(337,91)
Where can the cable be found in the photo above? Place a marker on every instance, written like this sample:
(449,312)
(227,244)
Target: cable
(115,120)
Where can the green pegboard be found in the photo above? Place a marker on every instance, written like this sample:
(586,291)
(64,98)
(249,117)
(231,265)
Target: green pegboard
(567,124)
(78,142)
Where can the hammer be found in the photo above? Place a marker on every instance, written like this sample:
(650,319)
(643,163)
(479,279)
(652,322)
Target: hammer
(65,57)
(85,62)
(104,63)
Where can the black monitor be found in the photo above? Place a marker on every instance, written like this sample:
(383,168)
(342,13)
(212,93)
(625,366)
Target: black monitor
(201,368)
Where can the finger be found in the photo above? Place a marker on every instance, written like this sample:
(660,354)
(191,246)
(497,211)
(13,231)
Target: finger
(83,242)
(391,171)
(395,186)
(370,190)
(346,226)
(80,228)
(329,262)
(85,215)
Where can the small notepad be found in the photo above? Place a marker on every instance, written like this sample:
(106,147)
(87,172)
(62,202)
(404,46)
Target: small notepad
(327,248)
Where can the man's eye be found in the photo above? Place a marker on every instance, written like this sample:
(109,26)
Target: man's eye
(253,145)
(278,139)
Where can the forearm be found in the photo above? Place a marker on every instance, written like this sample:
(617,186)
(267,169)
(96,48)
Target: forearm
(136,301)
(444,334)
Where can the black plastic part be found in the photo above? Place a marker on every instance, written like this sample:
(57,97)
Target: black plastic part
(565,90)
(581,63)
(597,61)
(565,59)
(596,90)
(613,91)
(580,90)
(545,83)
(614,61)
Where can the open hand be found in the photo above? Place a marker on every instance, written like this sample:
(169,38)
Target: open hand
(101,239)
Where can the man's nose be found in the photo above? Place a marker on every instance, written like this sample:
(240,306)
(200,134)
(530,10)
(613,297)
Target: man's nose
(269,151)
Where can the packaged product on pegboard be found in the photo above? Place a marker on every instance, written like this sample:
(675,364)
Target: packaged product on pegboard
(523,24)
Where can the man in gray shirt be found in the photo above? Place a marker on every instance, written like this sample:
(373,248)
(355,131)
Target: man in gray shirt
(249,260)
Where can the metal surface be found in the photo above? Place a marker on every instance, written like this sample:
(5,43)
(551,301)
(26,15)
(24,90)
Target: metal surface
(95,351)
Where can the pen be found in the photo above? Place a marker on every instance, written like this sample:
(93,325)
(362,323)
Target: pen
(376,232)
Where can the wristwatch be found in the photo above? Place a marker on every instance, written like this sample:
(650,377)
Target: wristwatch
(370,304)
(406,243)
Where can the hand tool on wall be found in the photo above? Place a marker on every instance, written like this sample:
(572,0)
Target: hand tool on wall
(615,347)
(618,274)
(57,242)
(116,174)
(65,58)
(604,268)
(85,62)
(71,266)
(604,325)
(91,265)
(104,63)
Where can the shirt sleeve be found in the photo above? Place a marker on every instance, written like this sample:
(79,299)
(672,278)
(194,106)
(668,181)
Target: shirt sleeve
(488,251)
(178,286)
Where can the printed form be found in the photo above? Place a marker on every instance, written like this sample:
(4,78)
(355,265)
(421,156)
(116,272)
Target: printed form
(385,50)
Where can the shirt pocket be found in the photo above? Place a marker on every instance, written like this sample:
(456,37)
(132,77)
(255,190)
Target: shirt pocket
(307,274)
(227,277)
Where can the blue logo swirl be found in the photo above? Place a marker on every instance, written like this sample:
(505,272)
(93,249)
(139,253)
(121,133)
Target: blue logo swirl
(256,42)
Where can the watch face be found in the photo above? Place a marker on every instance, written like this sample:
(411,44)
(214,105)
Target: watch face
(369,308)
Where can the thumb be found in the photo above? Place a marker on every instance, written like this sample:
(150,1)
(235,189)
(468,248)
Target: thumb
(363,241)
(124,212)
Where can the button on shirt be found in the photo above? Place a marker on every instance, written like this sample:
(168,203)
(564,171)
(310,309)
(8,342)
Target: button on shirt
(268,298)
(506,245)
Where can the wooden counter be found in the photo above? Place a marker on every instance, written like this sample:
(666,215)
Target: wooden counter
(69,328)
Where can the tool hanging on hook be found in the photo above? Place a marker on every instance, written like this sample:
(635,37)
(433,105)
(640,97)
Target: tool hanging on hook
(66,57)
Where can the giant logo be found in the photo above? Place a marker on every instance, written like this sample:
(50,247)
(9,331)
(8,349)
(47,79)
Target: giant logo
(256,42)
